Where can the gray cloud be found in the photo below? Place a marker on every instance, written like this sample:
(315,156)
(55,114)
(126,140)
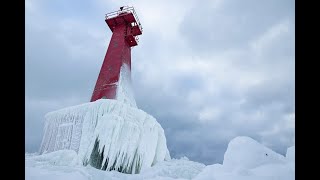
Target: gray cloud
(223,24)
(207,71)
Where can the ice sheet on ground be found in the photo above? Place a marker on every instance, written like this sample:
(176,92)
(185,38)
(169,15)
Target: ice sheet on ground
(255,165)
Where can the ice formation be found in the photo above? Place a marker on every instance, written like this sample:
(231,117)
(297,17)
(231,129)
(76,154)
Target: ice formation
(246,159)
(108,134)
(255,165)
(247,153)
(291,154)
(124,91)
(123,138)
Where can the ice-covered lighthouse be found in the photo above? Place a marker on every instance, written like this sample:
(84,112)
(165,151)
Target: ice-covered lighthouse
(110,132)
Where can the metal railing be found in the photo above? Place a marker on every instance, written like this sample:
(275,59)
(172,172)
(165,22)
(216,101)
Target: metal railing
(125,9)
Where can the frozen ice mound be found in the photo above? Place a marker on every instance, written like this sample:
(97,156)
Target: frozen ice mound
(290,156)
(247,159)
(247,153)
(107,134)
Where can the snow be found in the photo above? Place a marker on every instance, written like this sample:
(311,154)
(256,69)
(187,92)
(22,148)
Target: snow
(107,134)
(58,158)
(124,91)
(247,159)
(244,152)
(244,159)
(41,167)
(291,154)
(176,168)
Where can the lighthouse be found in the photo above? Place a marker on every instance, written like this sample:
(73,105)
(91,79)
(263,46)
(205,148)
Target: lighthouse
(110,132)
(126,28)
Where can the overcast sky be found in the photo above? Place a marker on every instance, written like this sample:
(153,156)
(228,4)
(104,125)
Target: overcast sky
(207,70)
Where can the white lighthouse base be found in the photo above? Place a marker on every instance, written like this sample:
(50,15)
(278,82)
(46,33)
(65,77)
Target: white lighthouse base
(107,134)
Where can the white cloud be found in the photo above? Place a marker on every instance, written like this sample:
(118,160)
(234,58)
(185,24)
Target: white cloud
(211,114)
(267,38)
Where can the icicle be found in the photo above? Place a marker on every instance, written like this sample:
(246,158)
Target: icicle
(107,134)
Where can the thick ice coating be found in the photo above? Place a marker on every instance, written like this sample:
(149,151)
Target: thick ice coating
(107,134)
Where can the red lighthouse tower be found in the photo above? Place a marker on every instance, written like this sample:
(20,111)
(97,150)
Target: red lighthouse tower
(125,27)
